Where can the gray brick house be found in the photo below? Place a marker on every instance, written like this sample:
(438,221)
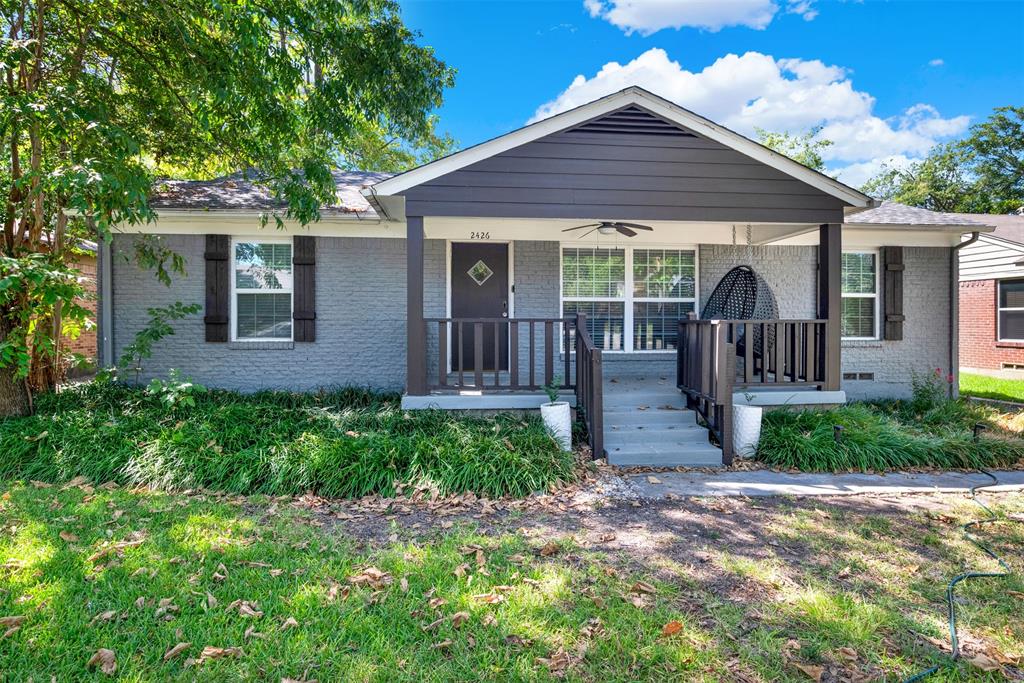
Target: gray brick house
(580,250)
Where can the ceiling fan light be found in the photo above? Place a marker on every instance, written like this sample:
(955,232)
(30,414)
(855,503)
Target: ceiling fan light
(606,230)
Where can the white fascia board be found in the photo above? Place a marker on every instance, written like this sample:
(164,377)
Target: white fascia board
(248,223)
(901,227)
(607,104)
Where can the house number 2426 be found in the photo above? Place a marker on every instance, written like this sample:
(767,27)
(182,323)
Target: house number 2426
(479,235)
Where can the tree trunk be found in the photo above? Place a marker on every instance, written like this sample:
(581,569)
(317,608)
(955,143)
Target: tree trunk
(14,398)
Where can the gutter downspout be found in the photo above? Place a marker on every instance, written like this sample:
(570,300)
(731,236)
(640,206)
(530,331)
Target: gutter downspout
(954,313)
(106,303)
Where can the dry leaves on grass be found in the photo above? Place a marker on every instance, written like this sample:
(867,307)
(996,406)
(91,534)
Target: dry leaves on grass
(459,618)
(372,577)
(557,663)
(671,628)
(246,609)
(211,652)
(812,671)
(105,659)
(549,548)
(289,623)
(176,650)
(68,536)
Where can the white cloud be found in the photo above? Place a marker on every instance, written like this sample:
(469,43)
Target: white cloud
(752,90)
(857,174)
(936,62)
(650,16)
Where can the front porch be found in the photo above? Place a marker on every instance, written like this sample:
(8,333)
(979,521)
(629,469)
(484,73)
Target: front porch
(496,363)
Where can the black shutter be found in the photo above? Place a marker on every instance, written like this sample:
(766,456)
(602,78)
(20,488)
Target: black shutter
(304,313)
(892,288)
(218,287)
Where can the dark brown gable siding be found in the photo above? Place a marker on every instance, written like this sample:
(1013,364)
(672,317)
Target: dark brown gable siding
(624,172)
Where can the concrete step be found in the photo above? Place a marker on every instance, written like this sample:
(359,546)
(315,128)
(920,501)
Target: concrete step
(648,400)
(658,455)
(653,416)
(651,432)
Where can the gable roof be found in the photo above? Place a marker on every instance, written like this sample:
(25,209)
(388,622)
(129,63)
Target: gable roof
(237,192)
(894,213)
(1009,227)
(632,97)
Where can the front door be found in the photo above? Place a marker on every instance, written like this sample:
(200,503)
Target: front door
(479,280)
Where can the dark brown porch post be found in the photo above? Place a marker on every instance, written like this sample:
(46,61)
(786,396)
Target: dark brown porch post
(830,265)
(416,342)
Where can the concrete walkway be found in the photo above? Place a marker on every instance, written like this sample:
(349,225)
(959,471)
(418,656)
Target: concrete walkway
(767,483)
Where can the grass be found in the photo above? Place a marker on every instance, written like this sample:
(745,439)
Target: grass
(740,615)
(997,388)
(346,443)
(891,435)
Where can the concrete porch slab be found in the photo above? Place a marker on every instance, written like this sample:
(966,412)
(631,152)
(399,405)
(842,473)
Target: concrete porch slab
(478,401)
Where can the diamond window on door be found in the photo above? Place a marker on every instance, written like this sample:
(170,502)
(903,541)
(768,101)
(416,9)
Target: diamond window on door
(480,272)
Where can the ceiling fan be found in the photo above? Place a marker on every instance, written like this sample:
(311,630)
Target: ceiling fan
(610,228)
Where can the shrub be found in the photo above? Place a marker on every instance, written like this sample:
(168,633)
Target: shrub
(348,442)
(888,435)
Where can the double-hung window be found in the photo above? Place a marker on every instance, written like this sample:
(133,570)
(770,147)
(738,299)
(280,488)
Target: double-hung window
(261,297)
(859,318)
(1011,310)
(632,296)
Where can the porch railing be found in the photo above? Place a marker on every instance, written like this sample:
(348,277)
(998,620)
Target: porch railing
(778,353)
(705,371)
(501,354)
(590,386)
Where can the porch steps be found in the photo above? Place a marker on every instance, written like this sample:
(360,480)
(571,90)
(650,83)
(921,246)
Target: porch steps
(646,423)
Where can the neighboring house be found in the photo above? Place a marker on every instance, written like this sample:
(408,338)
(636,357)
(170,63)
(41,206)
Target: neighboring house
(464,284)
(86,343)
(992,296)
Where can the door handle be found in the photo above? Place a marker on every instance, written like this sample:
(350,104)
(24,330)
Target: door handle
(504,309)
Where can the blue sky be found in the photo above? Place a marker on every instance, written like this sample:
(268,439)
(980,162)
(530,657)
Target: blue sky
(886,80)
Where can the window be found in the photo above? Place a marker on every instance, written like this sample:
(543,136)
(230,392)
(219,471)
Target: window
(860,295)
(632,296)
(1011,310)
(262,296)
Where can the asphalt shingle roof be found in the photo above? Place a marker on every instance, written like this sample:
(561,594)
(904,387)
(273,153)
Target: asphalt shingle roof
(234,192)
(893,213)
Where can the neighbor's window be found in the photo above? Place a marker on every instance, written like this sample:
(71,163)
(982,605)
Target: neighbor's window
(1011,310)
(860,295)
(632,297)
(262,297)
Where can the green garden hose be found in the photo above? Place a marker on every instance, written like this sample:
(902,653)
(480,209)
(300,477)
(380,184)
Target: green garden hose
(950,598)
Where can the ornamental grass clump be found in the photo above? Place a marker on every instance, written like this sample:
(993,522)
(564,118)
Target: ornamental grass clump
(927,431)
(349,442)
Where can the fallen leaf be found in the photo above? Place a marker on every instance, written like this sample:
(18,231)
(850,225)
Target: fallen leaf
(176,650)
(844,572)
(68,536)
(651,479)
(251,632)
(289,623)
(489,598)
(403,584)
(211,601)
(459,618)
(103,616)
(549,548)
(849,654)
(210,652)
(984,662)
(372,577)
(436,602)
(443,645)
(813,671)
(671,628)
(105,659)
(643,587)
(12,621)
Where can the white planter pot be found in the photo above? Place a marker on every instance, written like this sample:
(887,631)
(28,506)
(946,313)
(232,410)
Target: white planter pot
(557,419)
(746,429)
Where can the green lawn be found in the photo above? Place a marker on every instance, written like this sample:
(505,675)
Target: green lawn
(270,591)
(983,386)
(348,442)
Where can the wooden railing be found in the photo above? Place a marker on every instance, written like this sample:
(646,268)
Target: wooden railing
(589,386)
(501,354)
(705,370)
(780,353)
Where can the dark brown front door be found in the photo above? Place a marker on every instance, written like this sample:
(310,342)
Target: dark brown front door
(480,290)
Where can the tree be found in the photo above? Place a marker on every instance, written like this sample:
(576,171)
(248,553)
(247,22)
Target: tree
(983,173)
(98,96)
(805,149)
(374,149)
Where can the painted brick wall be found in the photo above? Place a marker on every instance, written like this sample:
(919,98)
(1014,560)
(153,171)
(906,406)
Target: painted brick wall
(926,330)
(360,318)
(979,347)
